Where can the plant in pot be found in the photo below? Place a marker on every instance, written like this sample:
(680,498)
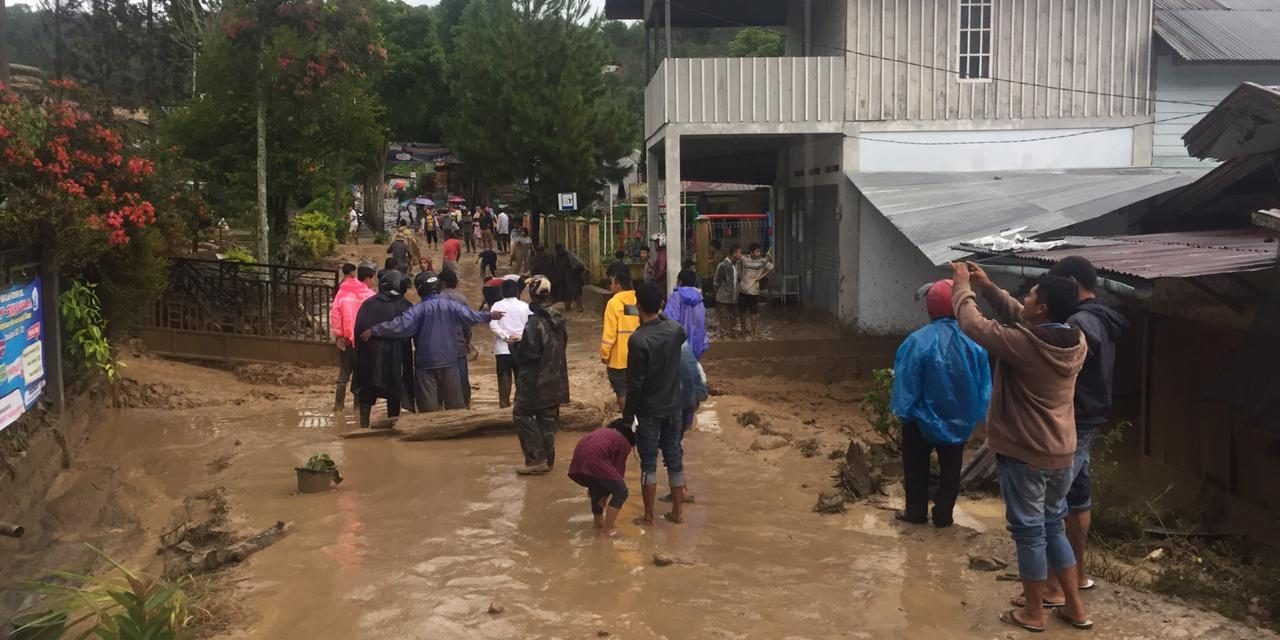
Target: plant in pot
(317,474)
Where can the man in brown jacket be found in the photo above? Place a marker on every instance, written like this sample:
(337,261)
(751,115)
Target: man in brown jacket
(1031,425)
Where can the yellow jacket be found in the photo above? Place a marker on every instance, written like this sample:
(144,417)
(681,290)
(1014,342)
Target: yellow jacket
(621,319)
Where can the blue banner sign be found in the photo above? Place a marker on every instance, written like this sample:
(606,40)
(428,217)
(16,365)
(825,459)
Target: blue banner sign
(22,348)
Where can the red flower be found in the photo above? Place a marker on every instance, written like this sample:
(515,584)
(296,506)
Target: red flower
(140,167)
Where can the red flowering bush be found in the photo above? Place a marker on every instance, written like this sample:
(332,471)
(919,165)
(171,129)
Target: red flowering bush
(67,181)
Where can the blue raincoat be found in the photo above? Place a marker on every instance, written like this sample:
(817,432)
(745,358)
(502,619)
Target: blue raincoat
(942,382)
(686,308)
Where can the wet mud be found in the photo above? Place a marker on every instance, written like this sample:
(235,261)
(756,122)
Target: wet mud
(441,540)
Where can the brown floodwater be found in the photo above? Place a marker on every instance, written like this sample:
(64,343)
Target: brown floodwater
(422,538)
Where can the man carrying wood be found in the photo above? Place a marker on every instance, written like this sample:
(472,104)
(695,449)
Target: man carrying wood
(542,380)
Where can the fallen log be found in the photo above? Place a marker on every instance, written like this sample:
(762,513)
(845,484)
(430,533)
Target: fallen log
(443,425)
(371,433)
(223,556)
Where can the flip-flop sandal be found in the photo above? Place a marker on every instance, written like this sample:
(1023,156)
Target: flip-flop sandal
(1021,601)
(1082,625)
(1010,617)
(1089,584)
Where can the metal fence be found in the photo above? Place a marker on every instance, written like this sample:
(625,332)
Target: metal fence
(247,299)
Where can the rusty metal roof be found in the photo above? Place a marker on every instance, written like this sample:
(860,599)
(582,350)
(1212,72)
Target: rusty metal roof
(1220,30)
(1184,254)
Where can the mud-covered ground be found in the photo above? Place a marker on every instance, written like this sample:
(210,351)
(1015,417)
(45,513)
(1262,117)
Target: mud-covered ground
(440,540)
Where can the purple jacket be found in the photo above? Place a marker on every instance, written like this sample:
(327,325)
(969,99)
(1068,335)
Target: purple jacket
(435,324)
(686,308)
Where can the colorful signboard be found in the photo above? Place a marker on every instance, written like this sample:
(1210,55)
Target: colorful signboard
(21,350)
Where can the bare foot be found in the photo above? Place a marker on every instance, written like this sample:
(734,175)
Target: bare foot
(673,518)
(644,522)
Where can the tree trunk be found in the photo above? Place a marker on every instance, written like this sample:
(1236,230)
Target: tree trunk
(148,88)
(574,416)
(264,227)
(4,43)
(223,556)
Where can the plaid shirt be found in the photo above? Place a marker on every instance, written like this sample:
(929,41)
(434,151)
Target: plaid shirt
(602,454)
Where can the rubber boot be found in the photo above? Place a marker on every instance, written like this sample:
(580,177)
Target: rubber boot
(340,397)
(365,411)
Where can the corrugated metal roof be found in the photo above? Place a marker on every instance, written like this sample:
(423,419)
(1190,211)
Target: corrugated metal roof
(938,210)
(1166,5)
(1235,35)
(1246,122)
(1174,255)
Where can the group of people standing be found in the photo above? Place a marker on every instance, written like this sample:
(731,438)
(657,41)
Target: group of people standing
(1040,374)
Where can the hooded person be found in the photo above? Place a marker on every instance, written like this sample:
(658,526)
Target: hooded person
(383,365)
(542,380)
(1031,426)
(434,323)
(686,308)
(1102,327)
(941,389)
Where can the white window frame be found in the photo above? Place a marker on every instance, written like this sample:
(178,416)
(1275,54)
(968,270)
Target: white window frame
(970,49)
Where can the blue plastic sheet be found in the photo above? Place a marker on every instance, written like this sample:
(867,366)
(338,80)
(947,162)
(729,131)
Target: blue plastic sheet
(942,382)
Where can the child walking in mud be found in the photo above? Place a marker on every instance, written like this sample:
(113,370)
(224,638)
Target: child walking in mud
(600,464)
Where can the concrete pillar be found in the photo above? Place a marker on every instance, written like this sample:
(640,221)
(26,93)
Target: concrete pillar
(651,187)
(595,250)
(674,212)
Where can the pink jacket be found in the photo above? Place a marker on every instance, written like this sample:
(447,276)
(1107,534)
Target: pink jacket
(342,315)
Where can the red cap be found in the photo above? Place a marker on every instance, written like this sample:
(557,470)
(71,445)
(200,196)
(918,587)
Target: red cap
(938,301)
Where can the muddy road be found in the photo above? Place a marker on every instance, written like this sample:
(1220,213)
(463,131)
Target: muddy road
(441,540)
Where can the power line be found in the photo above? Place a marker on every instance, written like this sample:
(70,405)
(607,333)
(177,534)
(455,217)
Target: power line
(921,65)
(1036,139)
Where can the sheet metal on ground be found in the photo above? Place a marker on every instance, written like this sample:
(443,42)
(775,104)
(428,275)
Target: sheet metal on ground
(1174,255)
(939,210)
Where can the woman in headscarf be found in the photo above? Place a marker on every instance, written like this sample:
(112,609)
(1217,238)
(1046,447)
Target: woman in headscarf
(384,366)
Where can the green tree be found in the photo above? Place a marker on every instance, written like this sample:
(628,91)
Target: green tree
(756,42)
(531,101)
(296,76)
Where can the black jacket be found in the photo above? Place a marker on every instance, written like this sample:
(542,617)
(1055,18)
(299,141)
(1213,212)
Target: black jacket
(542,370)
(1102,327)
(653,369)
(384,366)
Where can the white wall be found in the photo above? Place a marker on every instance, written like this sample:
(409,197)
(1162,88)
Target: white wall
(889,270)
(1204,83)
(1093,150)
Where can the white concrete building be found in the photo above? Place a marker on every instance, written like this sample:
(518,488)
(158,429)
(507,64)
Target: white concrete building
(863,126)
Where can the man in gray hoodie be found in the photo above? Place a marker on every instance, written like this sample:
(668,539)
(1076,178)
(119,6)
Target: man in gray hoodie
(1031,426)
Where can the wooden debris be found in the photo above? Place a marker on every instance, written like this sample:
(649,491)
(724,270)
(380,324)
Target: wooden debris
(443,425)
(222,556)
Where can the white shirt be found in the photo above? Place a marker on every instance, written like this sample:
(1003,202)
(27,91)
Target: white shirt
(504,223)
(510,326)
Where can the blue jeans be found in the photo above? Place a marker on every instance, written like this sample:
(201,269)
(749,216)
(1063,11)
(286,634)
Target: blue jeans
(1080,497)
(1035,505)
(661,433)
